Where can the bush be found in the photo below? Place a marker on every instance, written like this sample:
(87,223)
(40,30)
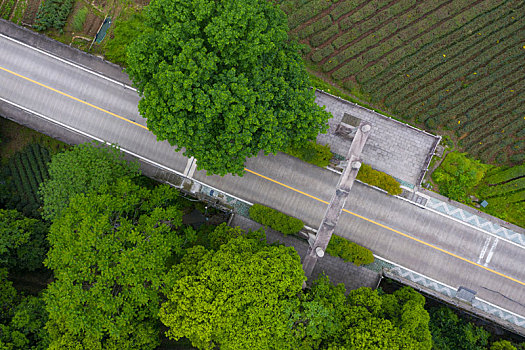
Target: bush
(79,19)
(124,33)
(275,219)
(457,175)
(379,179)
(312,152)
(349,251)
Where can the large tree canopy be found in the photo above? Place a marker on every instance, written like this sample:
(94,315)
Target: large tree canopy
(109,253)
(82,169)
(22,241)
(238,297)
(221,79)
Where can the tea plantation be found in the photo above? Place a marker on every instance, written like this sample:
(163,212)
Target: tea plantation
(451,66)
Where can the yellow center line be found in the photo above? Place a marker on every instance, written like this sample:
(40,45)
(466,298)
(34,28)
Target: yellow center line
(390,229)
(282,184)
(73,98)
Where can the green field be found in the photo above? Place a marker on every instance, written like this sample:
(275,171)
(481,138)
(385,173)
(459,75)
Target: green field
(454,67)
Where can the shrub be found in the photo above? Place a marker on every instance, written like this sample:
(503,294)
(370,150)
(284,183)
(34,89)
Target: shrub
(124,33)
(502,174)
(349,251)
(275,219)
(312,152)
(79,19)
(379,179)
(457,175)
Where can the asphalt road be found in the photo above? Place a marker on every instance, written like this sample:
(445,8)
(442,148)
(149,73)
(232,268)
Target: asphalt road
(415,238)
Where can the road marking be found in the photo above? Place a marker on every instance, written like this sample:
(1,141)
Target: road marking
(188,166)
(73,98)
(68,62)
(484,249)
(491,252)
(284,185)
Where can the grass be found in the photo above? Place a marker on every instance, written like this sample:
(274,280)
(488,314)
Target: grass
(79,19)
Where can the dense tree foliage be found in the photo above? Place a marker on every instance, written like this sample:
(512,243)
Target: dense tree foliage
(221,79)
(237,297)
(22,241)
(22,319)
(449,332)
(82,169)
(109,252)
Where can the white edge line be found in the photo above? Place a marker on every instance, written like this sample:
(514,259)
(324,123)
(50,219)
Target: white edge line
(69,62)
(476,228)
(121,148)
(502,309)
(446,285)
(417,273)
(242,200)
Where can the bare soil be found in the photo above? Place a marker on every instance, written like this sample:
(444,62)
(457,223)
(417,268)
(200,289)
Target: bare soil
(31,10)
(92,24)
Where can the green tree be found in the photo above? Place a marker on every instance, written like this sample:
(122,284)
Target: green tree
(449,332)
(109,253)
(371,322)
(7,297)
(26,328)
(502,345)
(22,241)
(238,297)
(84,168)
(319,319)
(222,80)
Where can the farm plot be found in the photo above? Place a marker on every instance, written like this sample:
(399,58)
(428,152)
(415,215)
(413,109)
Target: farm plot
(447,65)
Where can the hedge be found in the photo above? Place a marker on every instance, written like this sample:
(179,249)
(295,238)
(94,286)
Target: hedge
(275,219)
(502,175)
(379,179)
(312,152)
(349,251)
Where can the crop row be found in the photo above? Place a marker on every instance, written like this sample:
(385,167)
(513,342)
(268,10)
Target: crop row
(468,123)
(411,36)
(429,45)
(6,9)
(439,90)
(456,100)
(307,12)
(347,6)
(506,123)
(322,37)
(497,113)
(373,9)
(502,175)
(53,14)
(322,53)
(29,170)
(466,58)
(467,55)
(463,100)
(19,11)
(315,27)
(498,152)
(371,46)
(498,190)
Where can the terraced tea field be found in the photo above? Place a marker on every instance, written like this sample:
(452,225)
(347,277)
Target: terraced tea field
(455,65)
